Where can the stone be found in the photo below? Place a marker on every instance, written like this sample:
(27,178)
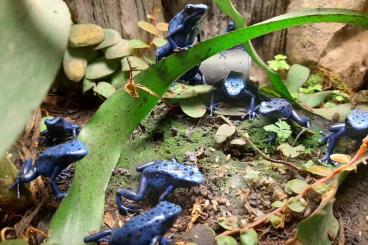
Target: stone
(348,61)
(322,44)
(83,35)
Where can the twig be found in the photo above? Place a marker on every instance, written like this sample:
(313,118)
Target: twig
(354,162)
(298,136)
(263,155)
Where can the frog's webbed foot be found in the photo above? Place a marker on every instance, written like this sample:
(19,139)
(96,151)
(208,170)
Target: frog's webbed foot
(251,114)
(325,161)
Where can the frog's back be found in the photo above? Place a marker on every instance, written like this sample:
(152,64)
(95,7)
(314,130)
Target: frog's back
(357,123)
(141,229)
(170,168)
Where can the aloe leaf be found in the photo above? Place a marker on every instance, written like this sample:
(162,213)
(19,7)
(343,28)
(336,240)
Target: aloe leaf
(228,8)
(33,37)
(82,210)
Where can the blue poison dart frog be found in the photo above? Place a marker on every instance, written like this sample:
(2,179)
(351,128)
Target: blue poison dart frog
(184,28)
(145,229)
(58,129)
(50,163)
(234,89)
(355,127)
(281,109)
(163,176)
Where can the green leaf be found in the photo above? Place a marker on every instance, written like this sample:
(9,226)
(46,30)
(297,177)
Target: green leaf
(276,221)
(280,57)
(296,77)
(277,204)
(118,50)
(290,151)
(135,62)
(118,79)
(88,84)
(250,237)
(278,65)
(341,111)
(226,240)
(315,99)
(281,128)
(14,242)
(296,185)
(112,37)
(193,107)
(311,89)
(159,42)
(33,37)
(116,119)
(104,89)
(230,223)
(148,27)
(101,68)
(137,43)
(320,228)
(297,205)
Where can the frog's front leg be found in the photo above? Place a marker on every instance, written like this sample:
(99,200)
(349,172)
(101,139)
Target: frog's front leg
(213,104)
(333,129)
(331,143)
(303,121)
(167,192)
(252,112)
(170,38)
(138,196)
(55,190)
(98,237)
(25,175)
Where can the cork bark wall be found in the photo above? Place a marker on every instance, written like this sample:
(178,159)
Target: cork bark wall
(123,15)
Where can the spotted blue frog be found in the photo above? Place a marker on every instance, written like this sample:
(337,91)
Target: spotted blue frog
(50,163)
(145,229)
(275,109)
(235,88)
(163,176)
(355,127)
(184,28)
(58,129)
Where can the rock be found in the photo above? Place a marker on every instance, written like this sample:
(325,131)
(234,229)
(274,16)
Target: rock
(83,35)
(200,234)
(323,44)
(348,61)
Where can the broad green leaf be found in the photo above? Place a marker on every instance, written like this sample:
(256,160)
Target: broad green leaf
(230,223)
(277,204)
(101,68)
(296,205)
(276,221)
(290,151)
(118,79)
(250,237)
(224,132)
(228,8)
(104,89)
(183,91)
(118,50)
(159,42)
(88,84)
(33,37)
(116,119)
(320,228)
(226,240)
(296,77)
(281,128)
(193,107)
(314,99)
(148,27)
(136,63)
(137,43)
(112,37)
(296,185)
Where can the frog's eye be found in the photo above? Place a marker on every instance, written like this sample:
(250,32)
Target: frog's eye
(189,9)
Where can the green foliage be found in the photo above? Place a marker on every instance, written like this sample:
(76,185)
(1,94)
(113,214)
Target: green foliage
(34,36)
(279,63)
(290,151)
(116,119)
(296,77)
(250,237)
(226,240)
(312,85)
(281,128)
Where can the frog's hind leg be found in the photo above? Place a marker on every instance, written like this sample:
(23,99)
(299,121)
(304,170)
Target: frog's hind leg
(213,104)
(135,196)
(333,129)
(25,175)
(98,237)
(331,143)
(167,192)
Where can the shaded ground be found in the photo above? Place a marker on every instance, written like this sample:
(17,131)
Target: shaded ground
(240,186)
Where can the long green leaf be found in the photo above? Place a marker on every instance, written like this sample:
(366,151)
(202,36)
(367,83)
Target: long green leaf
(82,210)
(33,37)
(228,8)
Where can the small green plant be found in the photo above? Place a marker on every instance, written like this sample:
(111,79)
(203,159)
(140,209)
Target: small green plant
(281,128)
(279,63)
(312,85)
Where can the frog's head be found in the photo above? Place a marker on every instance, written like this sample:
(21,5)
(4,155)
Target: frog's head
(194,13)
(234,84)
(270,108)
(230,27)
(357,119)
(168,212)
(192,176)
(71,151)
(54,122)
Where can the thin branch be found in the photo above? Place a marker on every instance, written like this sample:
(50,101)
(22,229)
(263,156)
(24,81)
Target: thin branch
(263,155)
